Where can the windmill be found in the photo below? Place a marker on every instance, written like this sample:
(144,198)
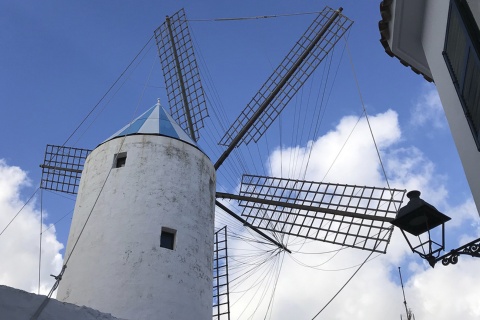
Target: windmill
(346,215)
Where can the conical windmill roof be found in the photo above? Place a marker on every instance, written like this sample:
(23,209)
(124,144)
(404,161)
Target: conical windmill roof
(155,121)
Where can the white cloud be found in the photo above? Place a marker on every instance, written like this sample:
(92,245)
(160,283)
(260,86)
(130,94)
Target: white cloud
(345,154)
(409,168)
(428,109)
(374,293)
(19,244)
(446,292)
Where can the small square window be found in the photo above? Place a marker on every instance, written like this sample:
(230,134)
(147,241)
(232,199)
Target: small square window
(119,160)
(167,238)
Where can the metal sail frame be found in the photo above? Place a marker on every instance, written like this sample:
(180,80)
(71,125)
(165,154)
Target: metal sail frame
(302,60)
(347,215)
(180,70)
(62,168)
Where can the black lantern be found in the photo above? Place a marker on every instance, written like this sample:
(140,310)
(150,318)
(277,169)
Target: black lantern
(419,217)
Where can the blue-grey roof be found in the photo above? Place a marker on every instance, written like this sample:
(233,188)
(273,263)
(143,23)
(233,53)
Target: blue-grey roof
(154,121)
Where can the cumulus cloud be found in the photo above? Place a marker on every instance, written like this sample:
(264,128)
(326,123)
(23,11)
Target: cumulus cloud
(19,244)
(316,271)
(345,155)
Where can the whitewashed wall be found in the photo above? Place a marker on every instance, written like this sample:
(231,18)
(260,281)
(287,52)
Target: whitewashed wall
(118,266)
(433,40)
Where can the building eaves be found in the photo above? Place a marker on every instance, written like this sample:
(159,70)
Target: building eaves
(384,27)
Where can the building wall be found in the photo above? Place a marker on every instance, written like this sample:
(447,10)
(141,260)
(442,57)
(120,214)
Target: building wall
(16,304)
(118,266)
(433,39)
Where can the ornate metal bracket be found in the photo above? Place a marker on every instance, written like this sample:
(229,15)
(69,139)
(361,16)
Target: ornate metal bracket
(471,249)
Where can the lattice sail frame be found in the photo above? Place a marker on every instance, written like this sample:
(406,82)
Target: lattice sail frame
(180,70)
(221,300)
(296,77)
(62,168)
(377,205)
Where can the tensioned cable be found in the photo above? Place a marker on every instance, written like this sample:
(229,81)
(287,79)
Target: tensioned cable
(346,283)
(59,194)
(366,115)
(275,286)
(341,149)
(260,281)
(376,148)
(346,36)
(326,103)
(254,17)
(55,223)
(311,132)
(127,77)
(40,245)
(243,277)
(250,258)
(295,135)
(253,272)
(231,169)
(108,174)
(281,143)
(89,215)
(108,91)
(31,197)
(272,275)
(317,267)
(325,76)
(215,101)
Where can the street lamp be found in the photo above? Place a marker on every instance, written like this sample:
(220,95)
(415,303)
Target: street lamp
(418,218)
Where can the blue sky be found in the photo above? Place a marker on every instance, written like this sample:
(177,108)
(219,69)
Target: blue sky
(58,58)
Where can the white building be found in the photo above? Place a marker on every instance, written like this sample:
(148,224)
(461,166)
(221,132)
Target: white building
(440,39)
(144,217)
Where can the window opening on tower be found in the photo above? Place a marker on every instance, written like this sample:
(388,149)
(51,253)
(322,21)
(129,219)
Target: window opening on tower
(119,160)
(167,238)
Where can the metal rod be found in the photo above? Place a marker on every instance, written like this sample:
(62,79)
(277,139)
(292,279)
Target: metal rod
(404,299)
(304,207)
(60,168)
(247,224)
(180,79)
(275,91)
(318,229)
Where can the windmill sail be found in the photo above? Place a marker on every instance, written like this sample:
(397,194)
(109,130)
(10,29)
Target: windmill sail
(348,215)
(62,168)
(221,300)
(182,79)
(286,80)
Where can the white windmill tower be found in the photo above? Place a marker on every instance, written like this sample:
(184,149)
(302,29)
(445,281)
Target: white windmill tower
(148,193)
(147,251)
